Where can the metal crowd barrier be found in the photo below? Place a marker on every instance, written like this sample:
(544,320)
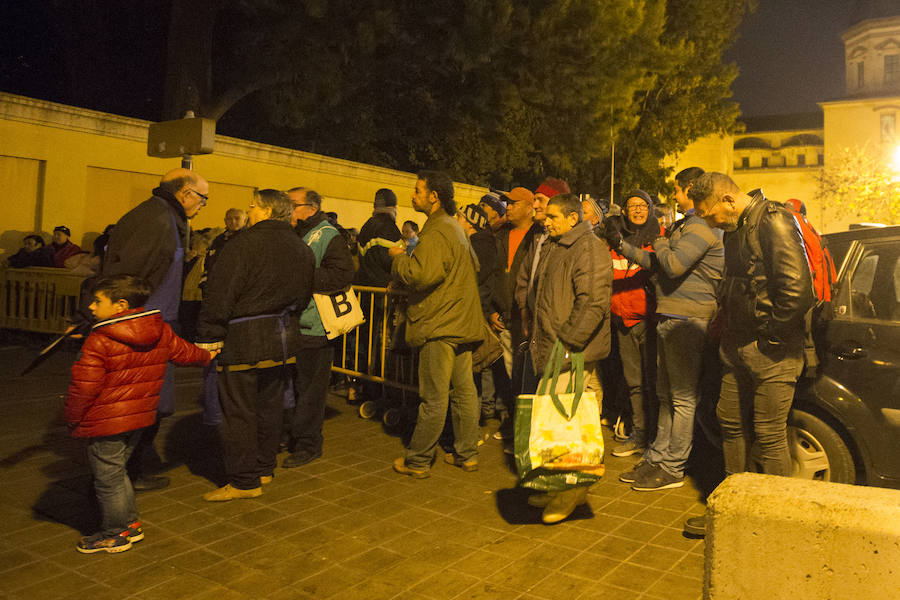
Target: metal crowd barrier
(375,351)
(39,299)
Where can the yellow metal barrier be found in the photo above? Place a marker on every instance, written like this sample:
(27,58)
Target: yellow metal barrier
(41,299)
(374,351)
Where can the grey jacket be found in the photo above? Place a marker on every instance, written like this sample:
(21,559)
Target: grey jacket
(440,277)
(570,298)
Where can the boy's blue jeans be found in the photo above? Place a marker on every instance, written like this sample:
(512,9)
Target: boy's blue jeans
(107,457)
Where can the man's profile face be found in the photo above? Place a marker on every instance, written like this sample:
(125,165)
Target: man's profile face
(519,211)
(494,218)
(422,198)
(60,238)
(718,211)
(557,223)
(540,207)
(193,196)
(407,232)
(302,208)
(32,244)
(589,214)
(235,220)
(681,198)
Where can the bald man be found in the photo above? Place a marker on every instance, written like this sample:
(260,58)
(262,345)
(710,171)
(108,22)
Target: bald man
(235,221)
(149,242)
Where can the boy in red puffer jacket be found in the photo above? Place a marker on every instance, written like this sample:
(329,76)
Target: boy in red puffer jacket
(113,396)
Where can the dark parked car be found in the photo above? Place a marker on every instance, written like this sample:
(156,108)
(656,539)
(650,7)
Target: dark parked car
(845,424)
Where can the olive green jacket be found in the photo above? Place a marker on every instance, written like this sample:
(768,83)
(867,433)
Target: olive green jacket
(440,278)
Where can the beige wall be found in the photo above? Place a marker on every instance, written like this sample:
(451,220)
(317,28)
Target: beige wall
(65,165)
(710,153)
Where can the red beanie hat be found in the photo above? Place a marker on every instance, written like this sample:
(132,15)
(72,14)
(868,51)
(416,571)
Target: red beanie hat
(552,186)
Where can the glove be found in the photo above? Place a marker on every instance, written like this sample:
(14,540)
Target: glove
(612,234)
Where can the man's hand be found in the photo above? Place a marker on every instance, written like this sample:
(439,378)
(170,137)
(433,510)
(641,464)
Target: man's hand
(396,251)
(214,353)
(496,322)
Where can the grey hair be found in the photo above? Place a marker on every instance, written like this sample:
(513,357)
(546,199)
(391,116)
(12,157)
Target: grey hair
(278,201)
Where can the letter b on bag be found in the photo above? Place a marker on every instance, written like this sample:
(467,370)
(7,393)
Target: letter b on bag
(341,305)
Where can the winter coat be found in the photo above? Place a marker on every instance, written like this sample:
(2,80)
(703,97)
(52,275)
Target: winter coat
(42,257)
(632,296)
(377,235)
(767,289)
(334,269)
(440,277)
(63,253)
(490,270)
(570,297)
(687,265)
(506,285)
(262,271)
(116,380)
(142,243)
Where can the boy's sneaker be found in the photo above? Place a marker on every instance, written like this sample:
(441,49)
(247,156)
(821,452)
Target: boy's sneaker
(101,543)
(656,479)
(628,448)
(639,470)
(134,533)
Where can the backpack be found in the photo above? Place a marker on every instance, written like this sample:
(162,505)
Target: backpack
(821,265)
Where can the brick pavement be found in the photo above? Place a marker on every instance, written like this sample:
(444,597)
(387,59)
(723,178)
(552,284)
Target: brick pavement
(345,526)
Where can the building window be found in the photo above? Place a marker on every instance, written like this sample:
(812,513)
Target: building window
(821,160)
(801,160)
(892,68)
(745,162)
(765,162)
(860,74)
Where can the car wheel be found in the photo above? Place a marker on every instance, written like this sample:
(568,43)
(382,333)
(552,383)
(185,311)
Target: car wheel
(817,451)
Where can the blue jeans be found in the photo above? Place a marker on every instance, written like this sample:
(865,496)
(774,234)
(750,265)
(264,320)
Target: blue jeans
(107,457)
(679,344)
(442,364)
(756,396)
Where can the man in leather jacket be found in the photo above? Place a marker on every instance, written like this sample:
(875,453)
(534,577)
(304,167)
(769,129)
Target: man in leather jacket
(765,296)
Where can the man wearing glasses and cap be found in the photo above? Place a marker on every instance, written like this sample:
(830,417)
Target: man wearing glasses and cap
(149,242)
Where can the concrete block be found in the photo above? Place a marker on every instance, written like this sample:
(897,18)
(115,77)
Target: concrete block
(776,537)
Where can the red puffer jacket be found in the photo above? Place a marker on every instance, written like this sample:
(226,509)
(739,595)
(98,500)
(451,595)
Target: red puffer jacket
(116,380)
(630,300)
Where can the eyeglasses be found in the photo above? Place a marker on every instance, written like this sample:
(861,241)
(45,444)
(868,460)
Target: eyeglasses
(638,207)
(703,213)
(203,197)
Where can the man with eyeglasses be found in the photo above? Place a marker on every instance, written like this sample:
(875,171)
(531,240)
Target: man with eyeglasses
(149,242)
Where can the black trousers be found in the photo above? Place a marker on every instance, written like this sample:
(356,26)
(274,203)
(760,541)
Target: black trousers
(311,391)
(252,406)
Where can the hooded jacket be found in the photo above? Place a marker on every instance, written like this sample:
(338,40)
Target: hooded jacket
(377,235)
(116,380)
(570,298)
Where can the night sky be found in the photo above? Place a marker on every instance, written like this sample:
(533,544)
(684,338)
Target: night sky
(790,56)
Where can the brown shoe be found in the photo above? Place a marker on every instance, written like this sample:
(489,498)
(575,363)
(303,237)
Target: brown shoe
(227,492)
(563,503)
(266,479)
(465,465)
(400,467)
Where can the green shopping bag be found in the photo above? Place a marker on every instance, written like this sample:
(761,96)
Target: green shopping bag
(558,440)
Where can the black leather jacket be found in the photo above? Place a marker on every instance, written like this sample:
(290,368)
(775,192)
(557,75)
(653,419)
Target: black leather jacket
(767,289)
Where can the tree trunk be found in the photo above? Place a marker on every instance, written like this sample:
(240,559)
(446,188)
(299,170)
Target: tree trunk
(189,56)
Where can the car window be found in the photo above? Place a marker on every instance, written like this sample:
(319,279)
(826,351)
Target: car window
(875,283)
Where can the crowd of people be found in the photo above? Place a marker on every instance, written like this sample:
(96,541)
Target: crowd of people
(649,303)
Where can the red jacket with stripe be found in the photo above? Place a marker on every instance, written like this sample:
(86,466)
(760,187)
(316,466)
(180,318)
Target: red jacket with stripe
(630,300)
(117,377)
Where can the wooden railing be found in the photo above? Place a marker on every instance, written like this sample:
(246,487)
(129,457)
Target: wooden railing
(40,299)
